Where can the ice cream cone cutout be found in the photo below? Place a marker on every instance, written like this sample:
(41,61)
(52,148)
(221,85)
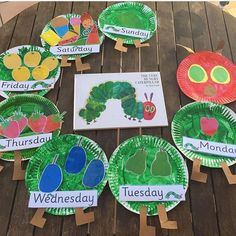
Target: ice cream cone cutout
(82,218)
(80,66)
(197,175)
(138,44)
(64,62)
(163,218)
(230,177)
(18,173)
(119,45)
(144,229)
(38,220)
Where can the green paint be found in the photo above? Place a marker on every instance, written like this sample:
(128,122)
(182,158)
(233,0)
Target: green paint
(220,74)
(161,165)
(196,73)
(137,163)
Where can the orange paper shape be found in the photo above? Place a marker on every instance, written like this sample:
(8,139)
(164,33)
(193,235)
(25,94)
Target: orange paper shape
(119,45)
(138,44)
(82,218)
(80,66)
(18,173)
(38,220)
(144,229)
(163,218)
(64,62)
(197,175)
(230,177)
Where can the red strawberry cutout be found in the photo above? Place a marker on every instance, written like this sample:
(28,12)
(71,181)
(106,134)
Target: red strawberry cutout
(209,126)
(37,122)
(53,122)
(9,128)
(20,118)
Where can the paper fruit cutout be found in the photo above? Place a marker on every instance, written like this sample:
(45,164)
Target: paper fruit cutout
(208,76)
(161,165)
(9,128)
(93,37)
(137,163)
(94,173)
(75,160)
(20,118)
(209,126)
(53,122)
(21,73)
(124,91)
(12,61)
(37,121)
(51,177)
(32,59)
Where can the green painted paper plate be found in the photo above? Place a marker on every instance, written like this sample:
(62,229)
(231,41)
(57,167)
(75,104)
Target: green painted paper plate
(6,74)
(130,15)
(81,41)
(187,122)
(28,103)
(118,175)
(71,182)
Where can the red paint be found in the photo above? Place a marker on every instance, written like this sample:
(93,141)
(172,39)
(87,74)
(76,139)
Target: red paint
(10,129)
(149,115)
(37,122)
(54,122)
(209,126)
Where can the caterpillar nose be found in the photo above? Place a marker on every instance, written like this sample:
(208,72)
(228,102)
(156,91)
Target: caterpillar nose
(210,91)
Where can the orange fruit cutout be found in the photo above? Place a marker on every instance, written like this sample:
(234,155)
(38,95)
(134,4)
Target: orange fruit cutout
(32,59)
(12,61)
(40,72)
(21,74)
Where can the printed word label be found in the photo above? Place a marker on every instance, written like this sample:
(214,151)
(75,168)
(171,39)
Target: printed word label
(62,199)
(199,145)
(147,193)
(71,50)
(26,142)
(137,33)
(26,85)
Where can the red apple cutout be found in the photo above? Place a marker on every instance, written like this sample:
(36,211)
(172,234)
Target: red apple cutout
(209,126)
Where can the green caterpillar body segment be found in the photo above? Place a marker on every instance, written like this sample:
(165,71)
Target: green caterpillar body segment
(176,195)
(123,91)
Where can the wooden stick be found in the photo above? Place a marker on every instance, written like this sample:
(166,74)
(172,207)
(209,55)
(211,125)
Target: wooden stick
(197,175)
(230,177)
(138,44)
(38,220)
(189,50)
(1,167)
(80,66)
(82,218)
(144,229)
(18,173)
(163,218)
(119,46)
(64,62)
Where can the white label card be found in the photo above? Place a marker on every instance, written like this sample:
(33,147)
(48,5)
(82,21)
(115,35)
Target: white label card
(34,85)
(147,193)
(63,199)
(199,145)
(33,141)
(137,33)
(73,50)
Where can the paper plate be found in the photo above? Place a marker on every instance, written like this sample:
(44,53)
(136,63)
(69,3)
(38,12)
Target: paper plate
(118,175)
(202,76)
(130,15)
(6,74)
(28,103)
(81,41)
(186,122)
(71,182)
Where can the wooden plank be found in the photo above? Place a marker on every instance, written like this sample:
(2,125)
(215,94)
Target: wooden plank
(225,194)
(168,66)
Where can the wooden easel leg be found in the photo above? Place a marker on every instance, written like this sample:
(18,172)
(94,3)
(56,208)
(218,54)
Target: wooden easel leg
(1,168)
(230,177)
(38,220)
(64,62)
(138,44)
(82,218)
(197,175)
(163,218)
(80,66)
(119,45)
(18,173)
(144,229)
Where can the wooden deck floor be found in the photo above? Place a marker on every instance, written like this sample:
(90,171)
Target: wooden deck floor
(210,209)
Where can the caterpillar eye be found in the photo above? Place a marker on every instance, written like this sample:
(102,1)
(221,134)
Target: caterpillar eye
(152,109)
(147,108)
(197,74)
(220,75)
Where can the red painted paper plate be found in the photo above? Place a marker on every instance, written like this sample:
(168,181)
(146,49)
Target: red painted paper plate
(208,76)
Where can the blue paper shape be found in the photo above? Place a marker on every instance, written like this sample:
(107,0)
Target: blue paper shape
(51,178)
(61,30)
(94,173)
(75,160)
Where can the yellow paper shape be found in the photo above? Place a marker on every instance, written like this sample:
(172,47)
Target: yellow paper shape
(50,37)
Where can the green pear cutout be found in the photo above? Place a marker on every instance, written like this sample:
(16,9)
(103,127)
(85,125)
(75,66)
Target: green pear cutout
(137,163)
(161,165)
